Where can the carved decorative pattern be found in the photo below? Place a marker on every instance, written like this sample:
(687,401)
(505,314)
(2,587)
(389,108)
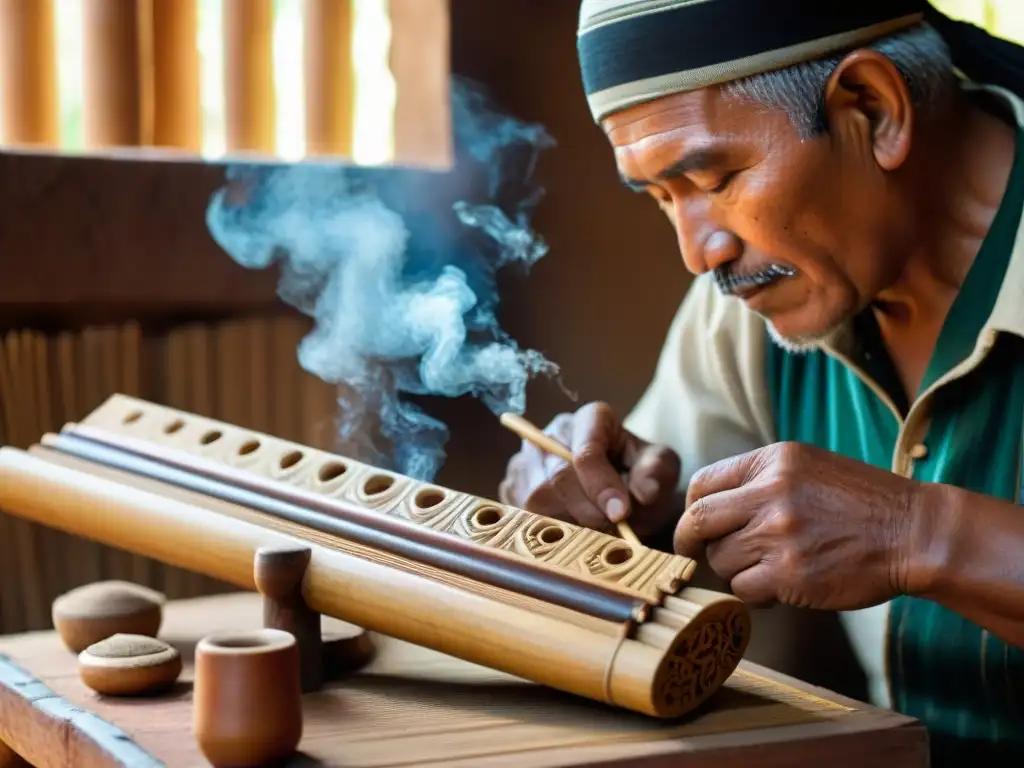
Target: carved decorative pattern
(704,657)
(433,506)
(486,522)
(645,572)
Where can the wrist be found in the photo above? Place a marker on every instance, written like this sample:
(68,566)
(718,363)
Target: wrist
(933,515)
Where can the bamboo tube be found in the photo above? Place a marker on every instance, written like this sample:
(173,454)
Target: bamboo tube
(621,671)
(175,117)
(421,67)
(28,73)
(112,83)
(249,75)
(330,77)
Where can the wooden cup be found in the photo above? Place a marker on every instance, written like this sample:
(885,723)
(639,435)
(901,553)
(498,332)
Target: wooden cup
(247,700)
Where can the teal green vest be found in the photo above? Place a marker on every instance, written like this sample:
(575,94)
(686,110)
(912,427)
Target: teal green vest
(964,684)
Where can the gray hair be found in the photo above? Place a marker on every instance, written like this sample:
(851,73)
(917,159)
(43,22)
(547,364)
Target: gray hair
(920,54)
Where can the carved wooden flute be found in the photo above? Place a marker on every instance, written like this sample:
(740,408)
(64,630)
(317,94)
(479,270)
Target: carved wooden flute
(537,598)
(338,518)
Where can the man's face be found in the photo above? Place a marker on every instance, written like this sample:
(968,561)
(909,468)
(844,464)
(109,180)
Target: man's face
(805,231)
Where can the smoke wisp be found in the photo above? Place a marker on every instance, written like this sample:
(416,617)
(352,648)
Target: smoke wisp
(398,269)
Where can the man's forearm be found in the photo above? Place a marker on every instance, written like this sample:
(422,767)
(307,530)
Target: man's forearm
(972,558)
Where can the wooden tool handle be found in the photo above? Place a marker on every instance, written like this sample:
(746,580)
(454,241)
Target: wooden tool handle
(545,442)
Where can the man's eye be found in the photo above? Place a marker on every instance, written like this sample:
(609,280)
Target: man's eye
(723,184)
(660,197)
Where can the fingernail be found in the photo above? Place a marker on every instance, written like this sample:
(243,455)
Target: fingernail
(646,489)
(615,509)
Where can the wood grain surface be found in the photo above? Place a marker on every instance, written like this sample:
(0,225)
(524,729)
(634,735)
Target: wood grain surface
(412,706)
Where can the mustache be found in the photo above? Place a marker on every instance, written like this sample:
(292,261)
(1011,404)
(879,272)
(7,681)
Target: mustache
(729,283)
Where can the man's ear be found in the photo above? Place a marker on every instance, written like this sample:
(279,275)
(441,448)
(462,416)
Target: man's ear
(869,95)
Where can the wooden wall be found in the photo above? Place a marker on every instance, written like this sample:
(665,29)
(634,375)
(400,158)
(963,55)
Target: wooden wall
(92,239)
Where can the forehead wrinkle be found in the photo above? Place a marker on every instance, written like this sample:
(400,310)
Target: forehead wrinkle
(677,111)
(667,156)
(651,141)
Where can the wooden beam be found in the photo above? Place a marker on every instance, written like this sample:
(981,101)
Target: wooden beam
(421,66)
(117,237)
(28,73)
(112,94)
(249,75)
(176,117)
(330,77)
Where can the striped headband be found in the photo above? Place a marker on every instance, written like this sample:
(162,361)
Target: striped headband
(633,51)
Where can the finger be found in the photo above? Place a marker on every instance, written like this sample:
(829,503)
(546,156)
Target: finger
(545,501)
(565,481)
(713,517)
(597,439)
(732,555)
(755,586)
(724,475)
(506,494)
(654,471)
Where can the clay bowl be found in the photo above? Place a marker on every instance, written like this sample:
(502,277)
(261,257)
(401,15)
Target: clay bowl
(247,697)
(129,665)
(92,613)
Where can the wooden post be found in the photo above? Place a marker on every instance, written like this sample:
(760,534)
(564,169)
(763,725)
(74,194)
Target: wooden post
(112,94)
(249,75)
(279,572)
(28,73)
(421,65)
(329,76)
(176,117)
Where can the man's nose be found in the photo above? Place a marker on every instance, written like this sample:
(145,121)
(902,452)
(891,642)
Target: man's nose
(704,245)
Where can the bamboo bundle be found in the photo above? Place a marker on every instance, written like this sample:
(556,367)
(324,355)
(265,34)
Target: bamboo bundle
(571,608)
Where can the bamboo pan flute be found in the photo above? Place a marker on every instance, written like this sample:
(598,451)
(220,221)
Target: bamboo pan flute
(560,605)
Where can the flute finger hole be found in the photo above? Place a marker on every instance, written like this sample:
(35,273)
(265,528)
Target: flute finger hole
(211,437)
(332,470)
(290,459)
(174,426)
(551,535)
(486,516)
(617,555)
(132,417)
(377,484)
(429,497)
(249,447)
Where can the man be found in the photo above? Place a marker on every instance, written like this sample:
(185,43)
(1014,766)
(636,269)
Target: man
(836,417)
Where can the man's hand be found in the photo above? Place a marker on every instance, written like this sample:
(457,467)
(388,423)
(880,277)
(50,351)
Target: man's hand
(800,525)
(613,475)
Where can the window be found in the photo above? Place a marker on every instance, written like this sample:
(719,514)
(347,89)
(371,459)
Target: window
(374,96)
(1004,18)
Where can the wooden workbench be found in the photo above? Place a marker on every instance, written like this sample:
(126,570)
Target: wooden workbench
(412,706)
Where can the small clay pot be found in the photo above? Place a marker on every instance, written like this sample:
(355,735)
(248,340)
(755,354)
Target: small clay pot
(129,665)
(247,697)
(94,612)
